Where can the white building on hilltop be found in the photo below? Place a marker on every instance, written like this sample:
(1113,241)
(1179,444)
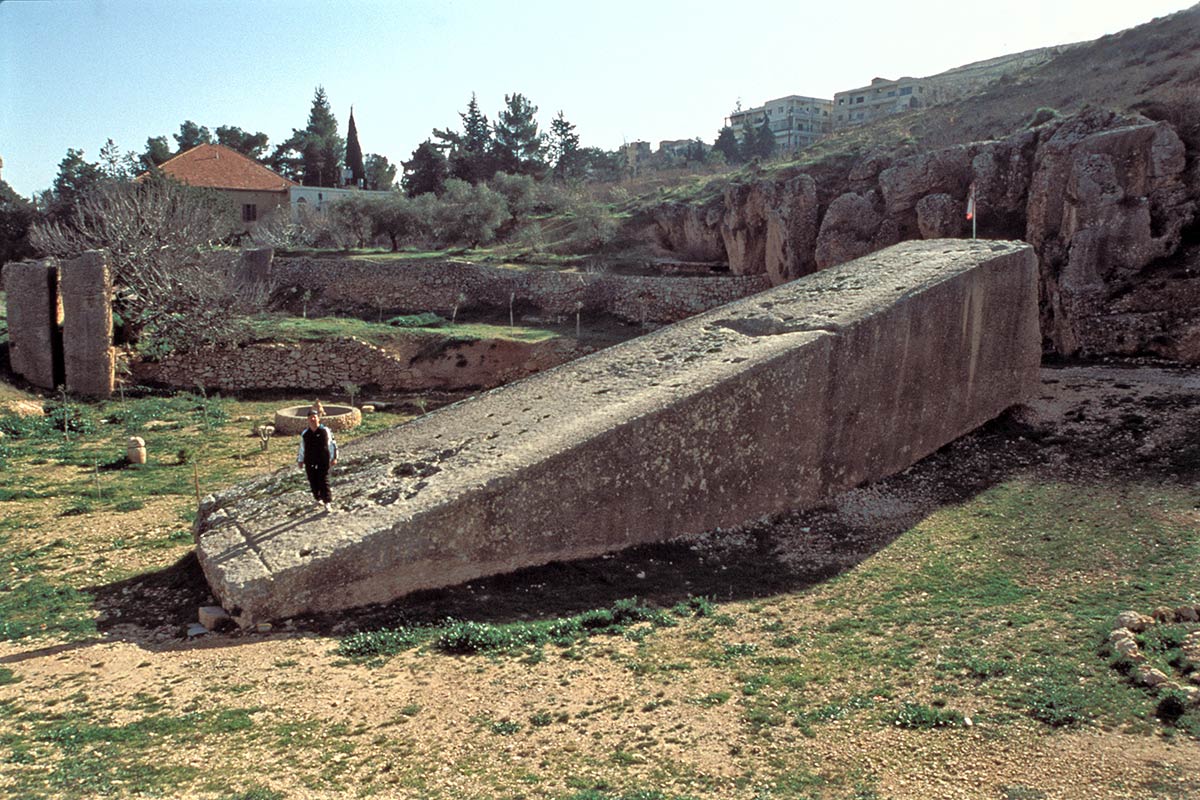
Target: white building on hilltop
(795,120)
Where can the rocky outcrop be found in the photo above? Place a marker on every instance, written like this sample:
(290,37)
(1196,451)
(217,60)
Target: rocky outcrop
(691,231)
(1105,199)
(771,228)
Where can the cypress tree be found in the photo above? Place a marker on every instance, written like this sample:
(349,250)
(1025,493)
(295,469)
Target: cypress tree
(354,154)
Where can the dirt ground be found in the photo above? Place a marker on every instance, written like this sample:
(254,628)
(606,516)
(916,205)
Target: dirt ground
(434,711)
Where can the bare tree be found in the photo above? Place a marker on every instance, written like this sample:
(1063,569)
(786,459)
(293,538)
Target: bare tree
(172,286)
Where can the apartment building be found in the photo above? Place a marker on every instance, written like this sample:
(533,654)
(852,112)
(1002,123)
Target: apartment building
(882,98)
(796,121)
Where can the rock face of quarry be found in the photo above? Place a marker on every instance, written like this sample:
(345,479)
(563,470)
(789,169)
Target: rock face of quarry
(1106,200)
(770,403)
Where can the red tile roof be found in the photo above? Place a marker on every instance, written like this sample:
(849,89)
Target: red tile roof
(219,167)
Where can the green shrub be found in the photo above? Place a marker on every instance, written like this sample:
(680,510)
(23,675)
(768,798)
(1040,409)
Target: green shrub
(385,642)
(1057,704)
(917,716)
(1042,116)
(426,320)
(1171,706)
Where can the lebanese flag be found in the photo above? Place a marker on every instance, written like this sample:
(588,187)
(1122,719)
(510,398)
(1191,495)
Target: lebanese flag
(971,202)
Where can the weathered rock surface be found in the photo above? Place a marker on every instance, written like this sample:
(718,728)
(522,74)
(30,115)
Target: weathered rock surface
(852,228)
(771,228)
(34,312)
(691,231)
(418,363)
(940,216)
(88,355)
(1105,199)
(774,402)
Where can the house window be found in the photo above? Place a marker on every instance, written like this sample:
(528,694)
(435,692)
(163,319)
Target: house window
(906,90)
(860,98)
(249,212)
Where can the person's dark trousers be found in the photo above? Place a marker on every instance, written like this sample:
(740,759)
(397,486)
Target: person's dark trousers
(318,480)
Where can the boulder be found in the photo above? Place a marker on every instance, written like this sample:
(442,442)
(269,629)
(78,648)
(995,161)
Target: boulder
(852,228)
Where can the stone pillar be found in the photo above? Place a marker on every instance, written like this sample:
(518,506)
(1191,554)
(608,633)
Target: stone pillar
(256,265)
(34,345)
(87,324)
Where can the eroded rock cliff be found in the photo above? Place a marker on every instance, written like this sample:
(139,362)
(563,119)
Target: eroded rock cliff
(1107,200)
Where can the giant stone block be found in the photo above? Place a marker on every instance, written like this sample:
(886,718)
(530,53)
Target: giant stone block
(34,343)
(770,403)
(87,324)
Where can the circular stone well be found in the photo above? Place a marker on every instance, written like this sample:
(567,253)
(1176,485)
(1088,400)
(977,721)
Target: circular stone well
(294,419)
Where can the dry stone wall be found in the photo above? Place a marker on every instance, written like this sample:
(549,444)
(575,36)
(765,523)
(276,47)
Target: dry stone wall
(423,363)
(774,402)
(371,288)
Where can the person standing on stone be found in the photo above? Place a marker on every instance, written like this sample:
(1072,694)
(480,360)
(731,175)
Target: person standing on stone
(318,452)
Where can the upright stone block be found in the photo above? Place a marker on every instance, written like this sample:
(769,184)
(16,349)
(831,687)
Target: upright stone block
(34,341)
(87,324)
(770,403)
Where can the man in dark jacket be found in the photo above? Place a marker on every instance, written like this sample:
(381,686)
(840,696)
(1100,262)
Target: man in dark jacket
(318,452)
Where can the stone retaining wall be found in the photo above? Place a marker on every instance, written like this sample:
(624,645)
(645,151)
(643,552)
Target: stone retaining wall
(423,363)
(368,288)
(772,403)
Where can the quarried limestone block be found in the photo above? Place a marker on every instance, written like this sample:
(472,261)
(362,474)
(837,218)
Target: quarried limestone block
(770,403)
(87,324)
(34,313)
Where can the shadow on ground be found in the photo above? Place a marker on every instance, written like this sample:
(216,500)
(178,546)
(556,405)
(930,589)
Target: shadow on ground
(1100,428)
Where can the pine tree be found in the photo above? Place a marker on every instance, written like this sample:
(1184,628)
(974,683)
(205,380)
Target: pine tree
(190,134)
(354,154)
(518,145)
(758,141)
(321,148)
(75,179)
(471,157)
(764,140)
(563,150)
(252,145)
(379,173)
(158,151)
(425,171)
(727,144)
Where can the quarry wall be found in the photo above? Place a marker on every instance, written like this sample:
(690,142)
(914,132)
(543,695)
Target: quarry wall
(1105,199)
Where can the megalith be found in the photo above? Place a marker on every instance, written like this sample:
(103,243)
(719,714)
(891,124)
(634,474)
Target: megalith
(88,355)
(34,314)
(774,402)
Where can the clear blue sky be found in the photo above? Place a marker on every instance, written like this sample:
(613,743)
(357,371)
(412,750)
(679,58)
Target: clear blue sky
(76,72)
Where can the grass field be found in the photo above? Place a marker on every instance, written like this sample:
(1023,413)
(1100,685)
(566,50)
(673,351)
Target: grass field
(940,634)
